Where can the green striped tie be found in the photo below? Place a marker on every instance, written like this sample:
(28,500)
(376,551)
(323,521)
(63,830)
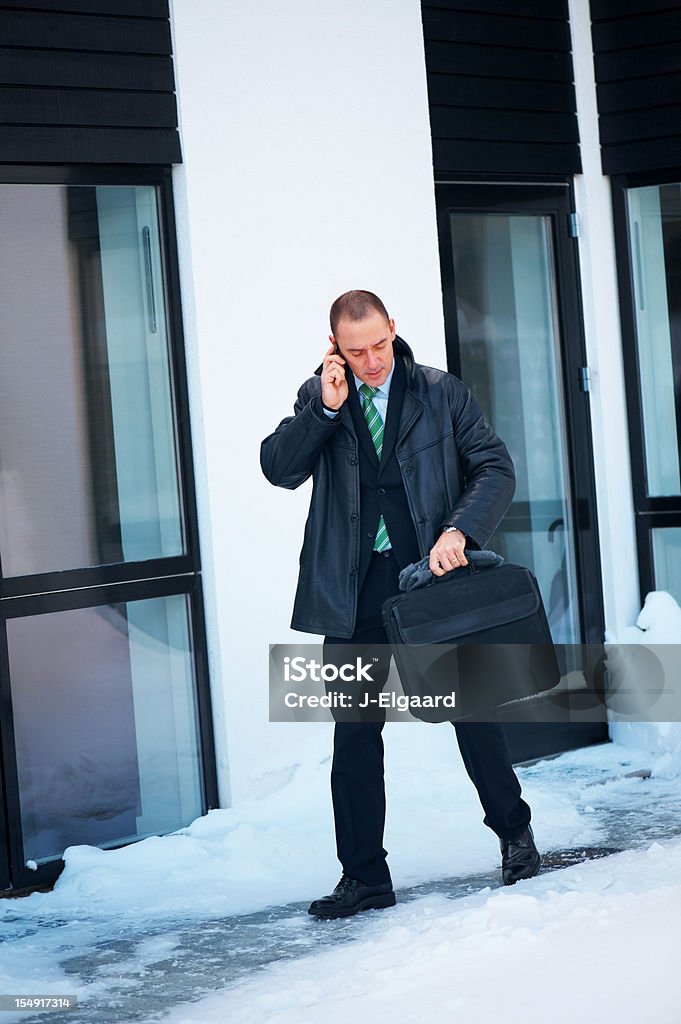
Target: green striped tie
(375,424)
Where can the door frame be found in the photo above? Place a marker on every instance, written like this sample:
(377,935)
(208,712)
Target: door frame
(554,200)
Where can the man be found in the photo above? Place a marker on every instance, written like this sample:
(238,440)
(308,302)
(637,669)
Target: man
(404,465)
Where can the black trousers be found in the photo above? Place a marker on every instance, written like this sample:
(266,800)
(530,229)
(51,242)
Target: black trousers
(357,775)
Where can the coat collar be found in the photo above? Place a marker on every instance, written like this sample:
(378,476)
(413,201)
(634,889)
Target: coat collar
(411,405)
(404,408)
(401,350)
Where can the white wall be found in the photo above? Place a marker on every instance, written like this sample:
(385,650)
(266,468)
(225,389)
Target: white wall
(598,265)
(306,172)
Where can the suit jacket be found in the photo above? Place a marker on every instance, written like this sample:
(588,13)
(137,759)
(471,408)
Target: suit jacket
(381,488)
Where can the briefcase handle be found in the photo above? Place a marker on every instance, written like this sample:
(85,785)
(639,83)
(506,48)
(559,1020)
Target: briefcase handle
(419,575)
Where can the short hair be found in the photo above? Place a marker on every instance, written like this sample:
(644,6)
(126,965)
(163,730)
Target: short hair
(355,305)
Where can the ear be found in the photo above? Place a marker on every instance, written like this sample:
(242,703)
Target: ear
(335,344)
(391,325)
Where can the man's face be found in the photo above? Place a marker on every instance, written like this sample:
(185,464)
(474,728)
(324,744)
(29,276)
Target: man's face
(367,347)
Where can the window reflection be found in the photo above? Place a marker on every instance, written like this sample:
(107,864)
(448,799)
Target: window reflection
(105,724)
(510,357)
(655,240)
(666,543)
(88,467)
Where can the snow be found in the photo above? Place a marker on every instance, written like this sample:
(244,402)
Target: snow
(658,623)
(597,942)
(590,942)
(280,848)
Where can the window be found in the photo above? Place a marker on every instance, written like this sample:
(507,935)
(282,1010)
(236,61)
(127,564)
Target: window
(106,733)
(655,238)
(648,223)
(105,723)
(88,463)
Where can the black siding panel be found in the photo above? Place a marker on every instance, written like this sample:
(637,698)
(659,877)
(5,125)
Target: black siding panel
(632,64)
(498,62)
(67,69)
(132,8)
(637,59)
(491,30)
(611,9)
(639,31)
(503,93)
(552,9)
(515,158)
(88,145)
(87,81)
(82,32)
(500,86)
(528,126)
(652,123)
(638,93)
(649,155)
(87,107)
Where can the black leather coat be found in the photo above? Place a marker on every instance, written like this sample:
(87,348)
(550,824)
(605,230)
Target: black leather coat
(456,471)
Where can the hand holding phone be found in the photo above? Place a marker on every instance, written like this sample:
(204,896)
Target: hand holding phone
(334,384)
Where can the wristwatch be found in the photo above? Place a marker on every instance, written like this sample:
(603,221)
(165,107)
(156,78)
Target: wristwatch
(451,529)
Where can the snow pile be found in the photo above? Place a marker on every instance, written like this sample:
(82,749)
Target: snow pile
(599,942)
(658,624)
(281,849)
(278,847)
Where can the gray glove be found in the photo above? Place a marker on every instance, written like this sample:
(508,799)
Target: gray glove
(418,574)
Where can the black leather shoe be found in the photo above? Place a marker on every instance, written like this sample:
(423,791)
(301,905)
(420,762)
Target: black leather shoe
(350,896)
(519,857)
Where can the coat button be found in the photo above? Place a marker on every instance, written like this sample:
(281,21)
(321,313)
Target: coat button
(381,490)
(353,462)
(354,570)
(371,533)
(354,518)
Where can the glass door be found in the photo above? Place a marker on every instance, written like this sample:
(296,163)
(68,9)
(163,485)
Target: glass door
(506,289)
(648,233)
(514,335)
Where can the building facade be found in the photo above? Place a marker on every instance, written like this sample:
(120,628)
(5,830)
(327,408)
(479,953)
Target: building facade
(184,189)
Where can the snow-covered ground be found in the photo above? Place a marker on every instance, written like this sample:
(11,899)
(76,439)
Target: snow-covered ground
(149,931)
(596,943)
(210,925)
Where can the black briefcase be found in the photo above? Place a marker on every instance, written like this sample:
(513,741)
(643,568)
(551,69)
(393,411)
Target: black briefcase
(471,641)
